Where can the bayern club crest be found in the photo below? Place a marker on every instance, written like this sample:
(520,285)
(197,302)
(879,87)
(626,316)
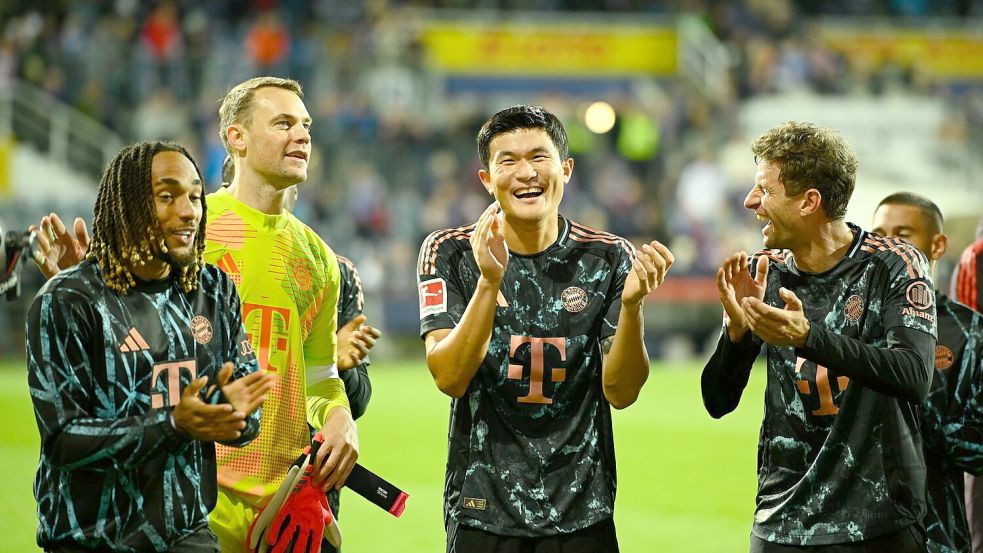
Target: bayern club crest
(574,299)
(201,329)
(854,308)
(943,357)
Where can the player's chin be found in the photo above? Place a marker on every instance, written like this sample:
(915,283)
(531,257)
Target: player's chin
(297,171)
(180,257)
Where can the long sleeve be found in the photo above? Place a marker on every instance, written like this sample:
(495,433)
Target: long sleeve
(902,369)
(358,387)
(60,375)
(325,390)
(726,374)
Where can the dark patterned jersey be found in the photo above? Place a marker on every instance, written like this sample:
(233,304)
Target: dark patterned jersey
(839,457)
(105,371)
(350,304)
(530,450)
(952,424)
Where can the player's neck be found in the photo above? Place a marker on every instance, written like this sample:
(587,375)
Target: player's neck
(531,237)
(155,269)
(825,248)
(256,192)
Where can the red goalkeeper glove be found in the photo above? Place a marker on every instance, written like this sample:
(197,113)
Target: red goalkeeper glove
(256,538)
(304,516)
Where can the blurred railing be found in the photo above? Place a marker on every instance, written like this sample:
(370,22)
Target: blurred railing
(702,59)
(66,135)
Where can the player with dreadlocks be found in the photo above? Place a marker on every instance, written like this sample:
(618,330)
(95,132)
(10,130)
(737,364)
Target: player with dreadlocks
(129,235)
(137,363)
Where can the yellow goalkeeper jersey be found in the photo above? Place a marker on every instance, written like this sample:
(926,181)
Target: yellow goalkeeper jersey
(288,280)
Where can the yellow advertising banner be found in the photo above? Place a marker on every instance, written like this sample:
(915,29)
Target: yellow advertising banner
(603,50)
(944,53)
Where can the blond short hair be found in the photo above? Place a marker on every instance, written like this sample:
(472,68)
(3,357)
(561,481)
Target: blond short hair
(237,105)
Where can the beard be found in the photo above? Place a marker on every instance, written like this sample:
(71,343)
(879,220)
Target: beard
(180,260)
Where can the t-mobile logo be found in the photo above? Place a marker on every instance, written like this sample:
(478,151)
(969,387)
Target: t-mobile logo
(538,371)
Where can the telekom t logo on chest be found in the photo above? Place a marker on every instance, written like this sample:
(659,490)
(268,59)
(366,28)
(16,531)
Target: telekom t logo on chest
(171,373)
(267,345)
(538,371)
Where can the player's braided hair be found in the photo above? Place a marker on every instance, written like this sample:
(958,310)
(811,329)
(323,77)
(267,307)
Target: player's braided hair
(125,229)
(811,157)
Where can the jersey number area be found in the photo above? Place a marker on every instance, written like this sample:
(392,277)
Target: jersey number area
(818,390)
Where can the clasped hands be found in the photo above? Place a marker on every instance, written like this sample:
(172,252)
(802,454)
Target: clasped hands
(742,297)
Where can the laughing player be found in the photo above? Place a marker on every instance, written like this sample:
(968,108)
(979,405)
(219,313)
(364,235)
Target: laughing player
(952,417)
(848,322)
(533,325)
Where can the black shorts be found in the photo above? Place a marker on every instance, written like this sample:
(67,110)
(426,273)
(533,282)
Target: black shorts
(598,538)
(909,540)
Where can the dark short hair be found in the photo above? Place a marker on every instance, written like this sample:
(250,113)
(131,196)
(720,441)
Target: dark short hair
(522,117)
(228,170)
(929,210)
(807,157)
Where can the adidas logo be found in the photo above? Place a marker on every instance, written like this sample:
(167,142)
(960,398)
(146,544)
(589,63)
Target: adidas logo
(133,342)
(475,503)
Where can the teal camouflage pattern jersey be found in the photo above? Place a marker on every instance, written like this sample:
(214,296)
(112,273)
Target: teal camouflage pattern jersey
(105,371)
(952,424)
(531,452)
(839,457)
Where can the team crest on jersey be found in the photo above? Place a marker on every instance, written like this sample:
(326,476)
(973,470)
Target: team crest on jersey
(201,329)
(574,299)
(433,297)
(943,357)
(920,296)
(854,308)
(302,273)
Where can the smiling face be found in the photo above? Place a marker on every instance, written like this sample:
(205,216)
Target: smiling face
(526,175)
(783,222)
(177,192)
(277,139)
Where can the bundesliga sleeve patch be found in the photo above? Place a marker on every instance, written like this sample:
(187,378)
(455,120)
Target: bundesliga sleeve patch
(433,297)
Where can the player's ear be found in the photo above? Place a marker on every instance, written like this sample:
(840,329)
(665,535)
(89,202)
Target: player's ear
(812,202)
(485,179)
(567,169)
(235,137)
(940,243)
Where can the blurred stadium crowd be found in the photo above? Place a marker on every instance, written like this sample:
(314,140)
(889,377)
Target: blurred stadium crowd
(394,153)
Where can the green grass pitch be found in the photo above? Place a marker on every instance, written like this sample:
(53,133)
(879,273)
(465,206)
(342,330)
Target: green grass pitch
(685,482)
